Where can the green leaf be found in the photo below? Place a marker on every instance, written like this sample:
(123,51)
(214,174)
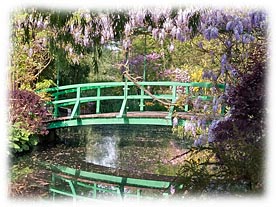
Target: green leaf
(25,147)
(15,146)
(13,138)
(33,140)
(25,138)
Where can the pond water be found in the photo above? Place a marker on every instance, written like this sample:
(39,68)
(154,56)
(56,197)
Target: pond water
(144,152)
(132,148)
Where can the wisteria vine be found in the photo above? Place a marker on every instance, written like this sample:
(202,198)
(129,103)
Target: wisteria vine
(236,31)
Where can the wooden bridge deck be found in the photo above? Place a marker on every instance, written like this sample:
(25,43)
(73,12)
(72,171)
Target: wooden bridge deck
(133,114)
(134,117)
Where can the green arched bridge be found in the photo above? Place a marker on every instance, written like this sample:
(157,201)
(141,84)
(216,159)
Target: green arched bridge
(83,103)
(118,103)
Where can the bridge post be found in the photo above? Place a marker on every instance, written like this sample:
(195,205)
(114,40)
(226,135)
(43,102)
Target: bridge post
(98,100)
(76,109)
(187,91)
(142,100)
(173,102)
(56,107)
(123,107)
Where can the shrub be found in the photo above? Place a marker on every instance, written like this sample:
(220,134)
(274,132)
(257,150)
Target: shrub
(237,140)
(27,114)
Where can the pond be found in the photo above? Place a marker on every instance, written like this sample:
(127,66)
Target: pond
(127,150)
(132,148)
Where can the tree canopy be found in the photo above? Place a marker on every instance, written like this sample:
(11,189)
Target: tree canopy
(56,39)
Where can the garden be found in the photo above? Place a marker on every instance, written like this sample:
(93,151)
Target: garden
(218,151)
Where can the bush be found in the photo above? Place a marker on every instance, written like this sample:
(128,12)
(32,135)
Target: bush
(237,140)
(27,114)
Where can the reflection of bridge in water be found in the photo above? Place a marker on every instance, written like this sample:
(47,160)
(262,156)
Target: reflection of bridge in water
(86,104)
(120,103)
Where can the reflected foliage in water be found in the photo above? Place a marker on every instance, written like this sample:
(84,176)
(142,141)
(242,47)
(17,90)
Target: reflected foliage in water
(145,149)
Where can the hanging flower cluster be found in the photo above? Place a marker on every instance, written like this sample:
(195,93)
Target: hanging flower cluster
(234,28)
(179,76)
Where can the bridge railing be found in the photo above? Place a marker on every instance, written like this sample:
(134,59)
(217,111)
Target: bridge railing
(68,181)
(72,96)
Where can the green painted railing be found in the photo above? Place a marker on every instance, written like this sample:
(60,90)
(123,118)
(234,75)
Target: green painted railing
(68,181)
(75,95)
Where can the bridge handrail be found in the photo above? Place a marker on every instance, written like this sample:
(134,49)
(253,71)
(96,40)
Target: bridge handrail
(78,88)
(76,177)
(144,83)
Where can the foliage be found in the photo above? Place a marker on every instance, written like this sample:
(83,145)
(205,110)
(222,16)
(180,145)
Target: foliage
(237,141)
(238,34)
(28,60)
(41,86)
(229,50)
(47,46)
(177,57)
(109,72)
(235,153)
(75,33)
(27,114)
(149,62)
(204,174)
(195,173)
(18,173)
(237,138)
(244,137)
(19,138)
(246,99)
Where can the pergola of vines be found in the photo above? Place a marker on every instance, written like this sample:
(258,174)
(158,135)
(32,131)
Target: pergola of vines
(74,33)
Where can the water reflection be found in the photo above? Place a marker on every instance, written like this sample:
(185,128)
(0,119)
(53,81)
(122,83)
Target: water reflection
(102,150)
(130,147)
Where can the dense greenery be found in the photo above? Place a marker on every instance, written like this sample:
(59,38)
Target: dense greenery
(27,114)
(234,161)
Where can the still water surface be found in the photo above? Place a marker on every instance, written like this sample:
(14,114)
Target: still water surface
(127,150)
(147,149)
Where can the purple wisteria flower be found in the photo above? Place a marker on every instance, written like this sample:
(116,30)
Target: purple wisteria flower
(200,44)
(201,140)
(175,121)
(190,127)
(127,29)
(197,102)
(205,107)
(211,136)
(171,47)
(126,43)
(154,33)
(223,59)
(179,35)
(173,32)
(30,52)
(247,38)
(209,74)
(153,56)
(257,18)
(197,142)
(168,25)
(237,35)
(228,43)
(210,33)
